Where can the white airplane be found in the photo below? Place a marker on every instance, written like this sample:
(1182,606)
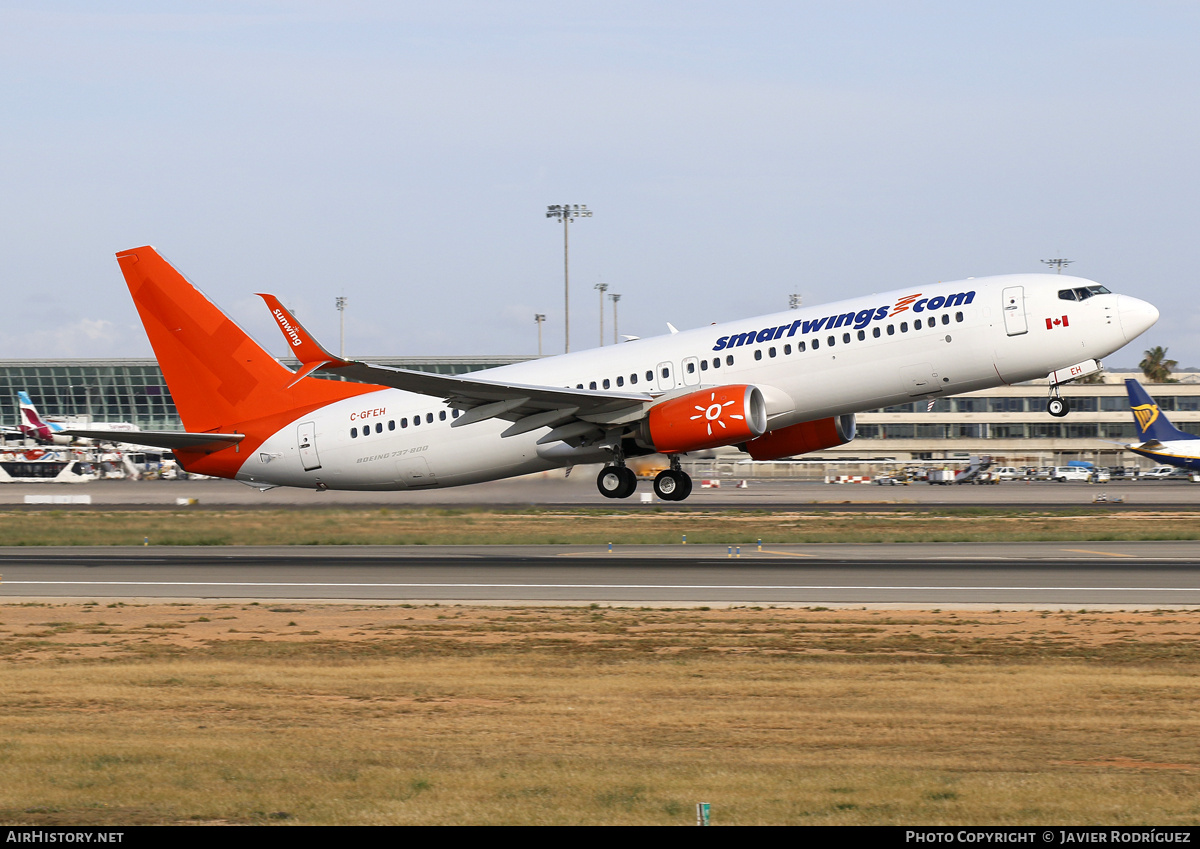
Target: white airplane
(1160,440)
(33,426)
(776,386)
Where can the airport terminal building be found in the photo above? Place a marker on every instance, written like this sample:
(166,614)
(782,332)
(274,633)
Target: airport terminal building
(1008,422)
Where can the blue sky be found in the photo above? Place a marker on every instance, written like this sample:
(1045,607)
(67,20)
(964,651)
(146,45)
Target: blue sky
(403,155)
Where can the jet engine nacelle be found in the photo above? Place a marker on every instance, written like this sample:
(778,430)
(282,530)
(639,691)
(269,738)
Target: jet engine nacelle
(725,415)
(802,438)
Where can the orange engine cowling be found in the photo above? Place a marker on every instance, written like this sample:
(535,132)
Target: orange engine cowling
(802,438)
(725,415)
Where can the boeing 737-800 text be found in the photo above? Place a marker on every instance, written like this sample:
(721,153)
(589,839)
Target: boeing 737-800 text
(776,386)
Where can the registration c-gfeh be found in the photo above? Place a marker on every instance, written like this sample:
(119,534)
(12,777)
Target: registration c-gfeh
(775,386)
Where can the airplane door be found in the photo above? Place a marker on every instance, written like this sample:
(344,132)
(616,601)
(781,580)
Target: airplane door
(306,436)
(666,376)
(691,371)
(1014,311)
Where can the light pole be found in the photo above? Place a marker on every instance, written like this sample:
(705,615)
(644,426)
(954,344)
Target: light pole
(539,318)
(340,302)
(565,213)
(615,298)
(1058,263)
(602,288)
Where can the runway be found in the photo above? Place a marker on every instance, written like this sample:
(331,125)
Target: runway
(1050,575)
(579,490)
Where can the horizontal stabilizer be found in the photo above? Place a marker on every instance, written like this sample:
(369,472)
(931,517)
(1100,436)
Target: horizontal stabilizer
(169,439)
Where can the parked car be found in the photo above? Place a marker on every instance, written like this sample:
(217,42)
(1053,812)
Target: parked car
(1008,473)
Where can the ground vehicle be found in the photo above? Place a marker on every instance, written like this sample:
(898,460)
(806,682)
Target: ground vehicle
(1009,473)
(1174,473)
(1070,473)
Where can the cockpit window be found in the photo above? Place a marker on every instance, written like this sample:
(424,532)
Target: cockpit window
(1082,293)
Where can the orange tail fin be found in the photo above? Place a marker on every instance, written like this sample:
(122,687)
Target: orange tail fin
(219,377)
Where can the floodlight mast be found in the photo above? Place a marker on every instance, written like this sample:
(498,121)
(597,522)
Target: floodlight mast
(601,288)
(565,213)
(615,298)
(1058,263)
(340,302)
(539,318)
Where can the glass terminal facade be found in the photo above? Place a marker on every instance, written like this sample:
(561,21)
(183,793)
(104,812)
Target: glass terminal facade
(134,391)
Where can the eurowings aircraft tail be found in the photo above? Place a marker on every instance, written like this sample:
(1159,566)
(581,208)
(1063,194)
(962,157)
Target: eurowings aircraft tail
(222,381)
(31,423)
(1151,424)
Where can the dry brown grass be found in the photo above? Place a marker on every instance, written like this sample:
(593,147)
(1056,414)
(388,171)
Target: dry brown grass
(296,713)
(591,526)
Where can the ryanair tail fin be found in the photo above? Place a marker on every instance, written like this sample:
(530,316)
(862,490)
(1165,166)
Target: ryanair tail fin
(1151,424)
(219,377)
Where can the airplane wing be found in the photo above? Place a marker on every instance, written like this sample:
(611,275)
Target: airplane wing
(169,439)
(529,407)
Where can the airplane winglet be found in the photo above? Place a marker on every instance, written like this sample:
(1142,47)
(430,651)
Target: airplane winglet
(306,348)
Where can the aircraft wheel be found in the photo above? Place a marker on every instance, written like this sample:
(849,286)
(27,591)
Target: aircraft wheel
(1058,407)
(610,482)
(630,482)
(671,485)
(616,482)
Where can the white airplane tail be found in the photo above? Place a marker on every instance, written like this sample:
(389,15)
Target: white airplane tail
(33,426)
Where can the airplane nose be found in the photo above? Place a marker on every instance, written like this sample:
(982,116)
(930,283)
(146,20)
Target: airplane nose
(1137,316)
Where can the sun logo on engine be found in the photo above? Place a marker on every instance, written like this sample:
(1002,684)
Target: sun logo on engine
(713,413)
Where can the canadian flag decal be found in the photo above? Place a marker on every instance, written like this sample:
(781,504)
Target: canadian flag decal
(1052,323)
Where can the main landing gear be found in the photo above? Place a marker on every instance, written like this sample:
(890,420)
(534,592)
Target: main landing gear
(616,482)
(619,481)
(673,485)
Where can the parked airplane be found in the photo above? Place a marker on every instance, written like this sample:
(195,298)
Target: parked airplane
(33,426)
(777,385)
(1160,440)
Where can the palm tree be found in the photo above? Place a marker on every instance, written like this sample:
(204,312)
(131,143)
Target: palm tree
(1157,367)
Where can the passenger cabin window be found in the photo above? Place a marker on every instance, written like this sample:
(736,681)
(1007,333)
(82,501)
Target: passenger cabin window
(416,420)
(354,433)
(917,324)
(606,383)
(392,424)
(404,422)
(875,332)
(831,341)
(429,418)
(758,353)
(379,427)
(704,365)
(891,330)
(442,416)
(787,350)
(862,334)
(771,352)
(846,338)
(633,378)
(620,380)
(592,385)
(729,360)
